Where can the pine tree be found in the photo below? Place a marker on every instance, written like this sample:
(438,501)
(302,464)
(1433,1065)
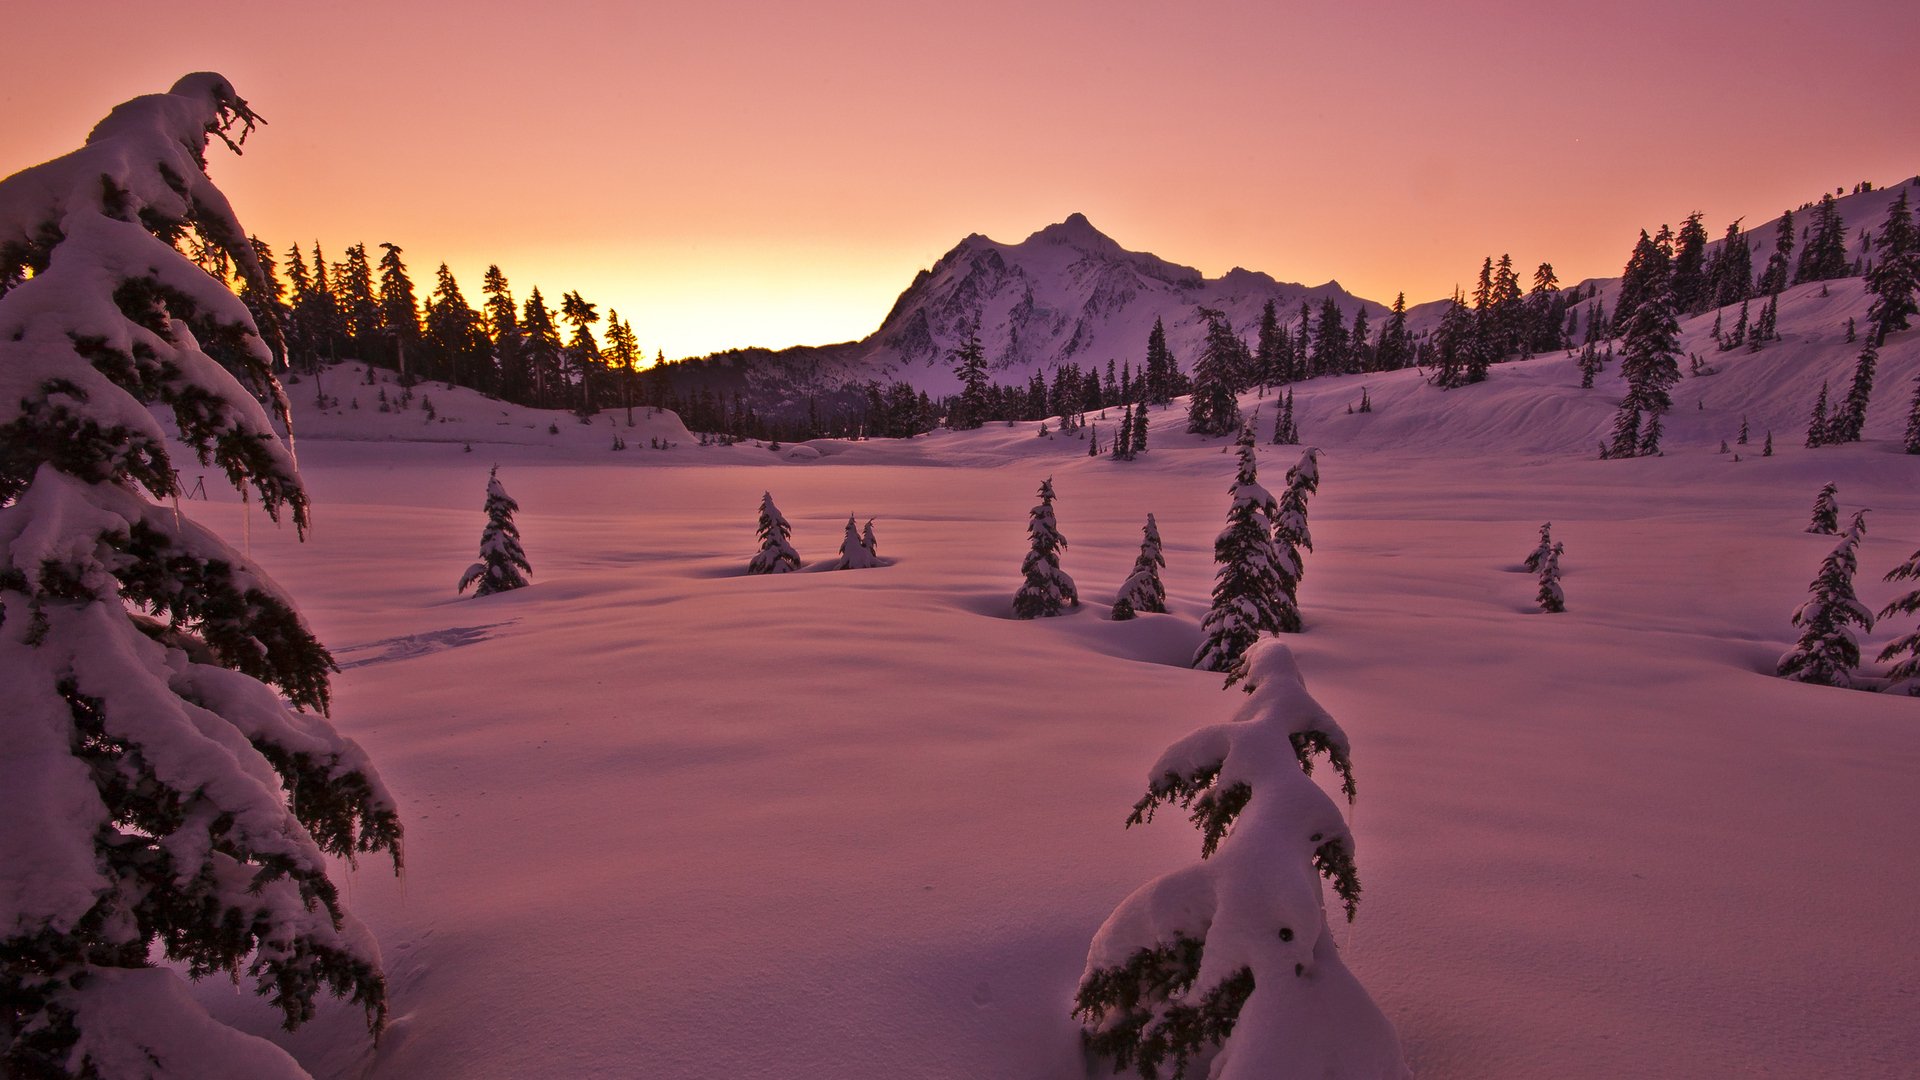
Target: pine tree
(1825,256)
(1912,442)
(1896,275)
(1213,410)
(1291,536)
(169,697)
(854,553)
(1162,370)
(1689,278)
(1228,968)
(970,367)
(1774,277)
(1396,345)
(1142,591)
(1457,360)
(1904,677)
(1649,269)
(1650,345)
(867,540)
(1650,437)
(502,565)
(1589,365)
(1827,652)
(1817,426)
(1046,590)
(1743,430)
(1730,273)
(1140,429)
(540,345)
(1123,439)
(776,554)
(583,349)
(1626,432)
(1541,550)
(1850,419)
(1767,451)
(1551,598)
(1826,511)
(1249,593)
(1269,359)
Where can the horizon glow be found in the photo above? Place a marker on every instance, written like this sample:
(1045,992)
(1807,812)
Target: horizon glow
(749,174)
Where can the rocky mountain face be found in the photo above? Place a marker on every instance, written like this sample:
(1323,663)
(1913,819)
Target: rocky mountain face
(1068,293)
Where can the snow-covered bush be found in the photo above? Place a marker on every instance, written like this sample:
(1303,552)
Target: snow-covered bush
(1227,969)
(1046,589)
(1249,591)
(1827,652)
(854,553)
(776,554)
(502,566)
(171,784)
(1142,591)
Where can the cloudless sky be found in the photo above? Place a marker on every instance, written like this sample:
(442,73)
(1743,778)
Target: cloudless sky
(744,172)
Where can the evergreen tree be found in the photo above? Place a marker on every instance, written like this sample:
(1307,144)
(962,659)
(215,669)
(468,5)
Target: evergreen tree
(1140,429)
(1767,451)
(399,309)
(623,357)
(456,339)
(1544,548)
(1648,270)
(1904,677)
(1743,431)
(503,326)
(1162,371)
(1396,345)
(1228,968)
(1689,279)
(776,554)
(1912,442)
(1213,410)
(1123,439)
(1850,419)
(1046,590)
(1739,335)
(1249,594)
(164,701)
(1896,275)
(1291,536)
(1457,360)
(1827,652)
(1650,346)
(1543,326)
(1650,437)
(1330,345)
(1142,591)
(854,553)
(1767,329)
(1825,256)
(1774,277)
(540,346)
(867,540)
(1826,511)
(503,565)
(1269,354)
(1551,598)
(1730,273)
(1589,365)
(582,349)
(1359,356)
(1626,432)
(970,367)
(359,310)
(1817,426)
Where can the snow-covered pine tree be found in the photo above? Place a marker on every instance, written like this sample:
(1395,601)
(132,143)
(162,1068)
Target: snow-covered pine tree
(1249,596)
(1826,511)
(1142,591)
(164,701)
(1904,676)
(854,554)
(1767,450)
(1626,432)
(1140,429)
(867,540)
(1743,431)
(1550,596)
(1817,424)
(1650,437)
(1541,550)
(1046,590)
(1896,275)
(502,564)
(1827,652)
(776,554)
(1228,968)
(1291,536)
(1212,409)
(1850,419)
(1649,346)
(1912,440)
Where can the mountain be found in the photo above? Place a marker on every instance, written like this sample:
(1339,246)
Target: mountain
(1067,293)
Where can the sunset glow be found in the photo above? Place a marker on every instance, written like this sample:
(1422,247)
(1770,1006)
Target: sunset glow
(733,174)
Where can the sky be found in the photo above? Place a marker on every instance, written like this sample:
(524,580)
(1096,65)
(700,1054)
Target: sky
(740,172)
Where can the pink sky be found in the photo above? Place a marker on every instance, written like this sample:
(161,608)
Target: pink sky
(751,173)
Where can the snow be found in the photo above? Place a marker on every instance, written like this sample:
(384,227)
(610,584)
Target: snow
(666,818)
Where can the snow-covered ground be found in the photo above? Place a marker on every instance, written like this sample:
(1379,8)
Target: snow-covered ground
(669,820)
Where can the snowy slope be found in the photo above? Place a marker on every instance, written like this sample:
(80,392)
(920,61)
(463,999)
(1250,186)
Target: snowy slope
(668,820)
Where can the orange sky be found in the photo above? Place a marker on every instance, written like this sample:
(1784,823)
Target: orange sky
(731,173)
